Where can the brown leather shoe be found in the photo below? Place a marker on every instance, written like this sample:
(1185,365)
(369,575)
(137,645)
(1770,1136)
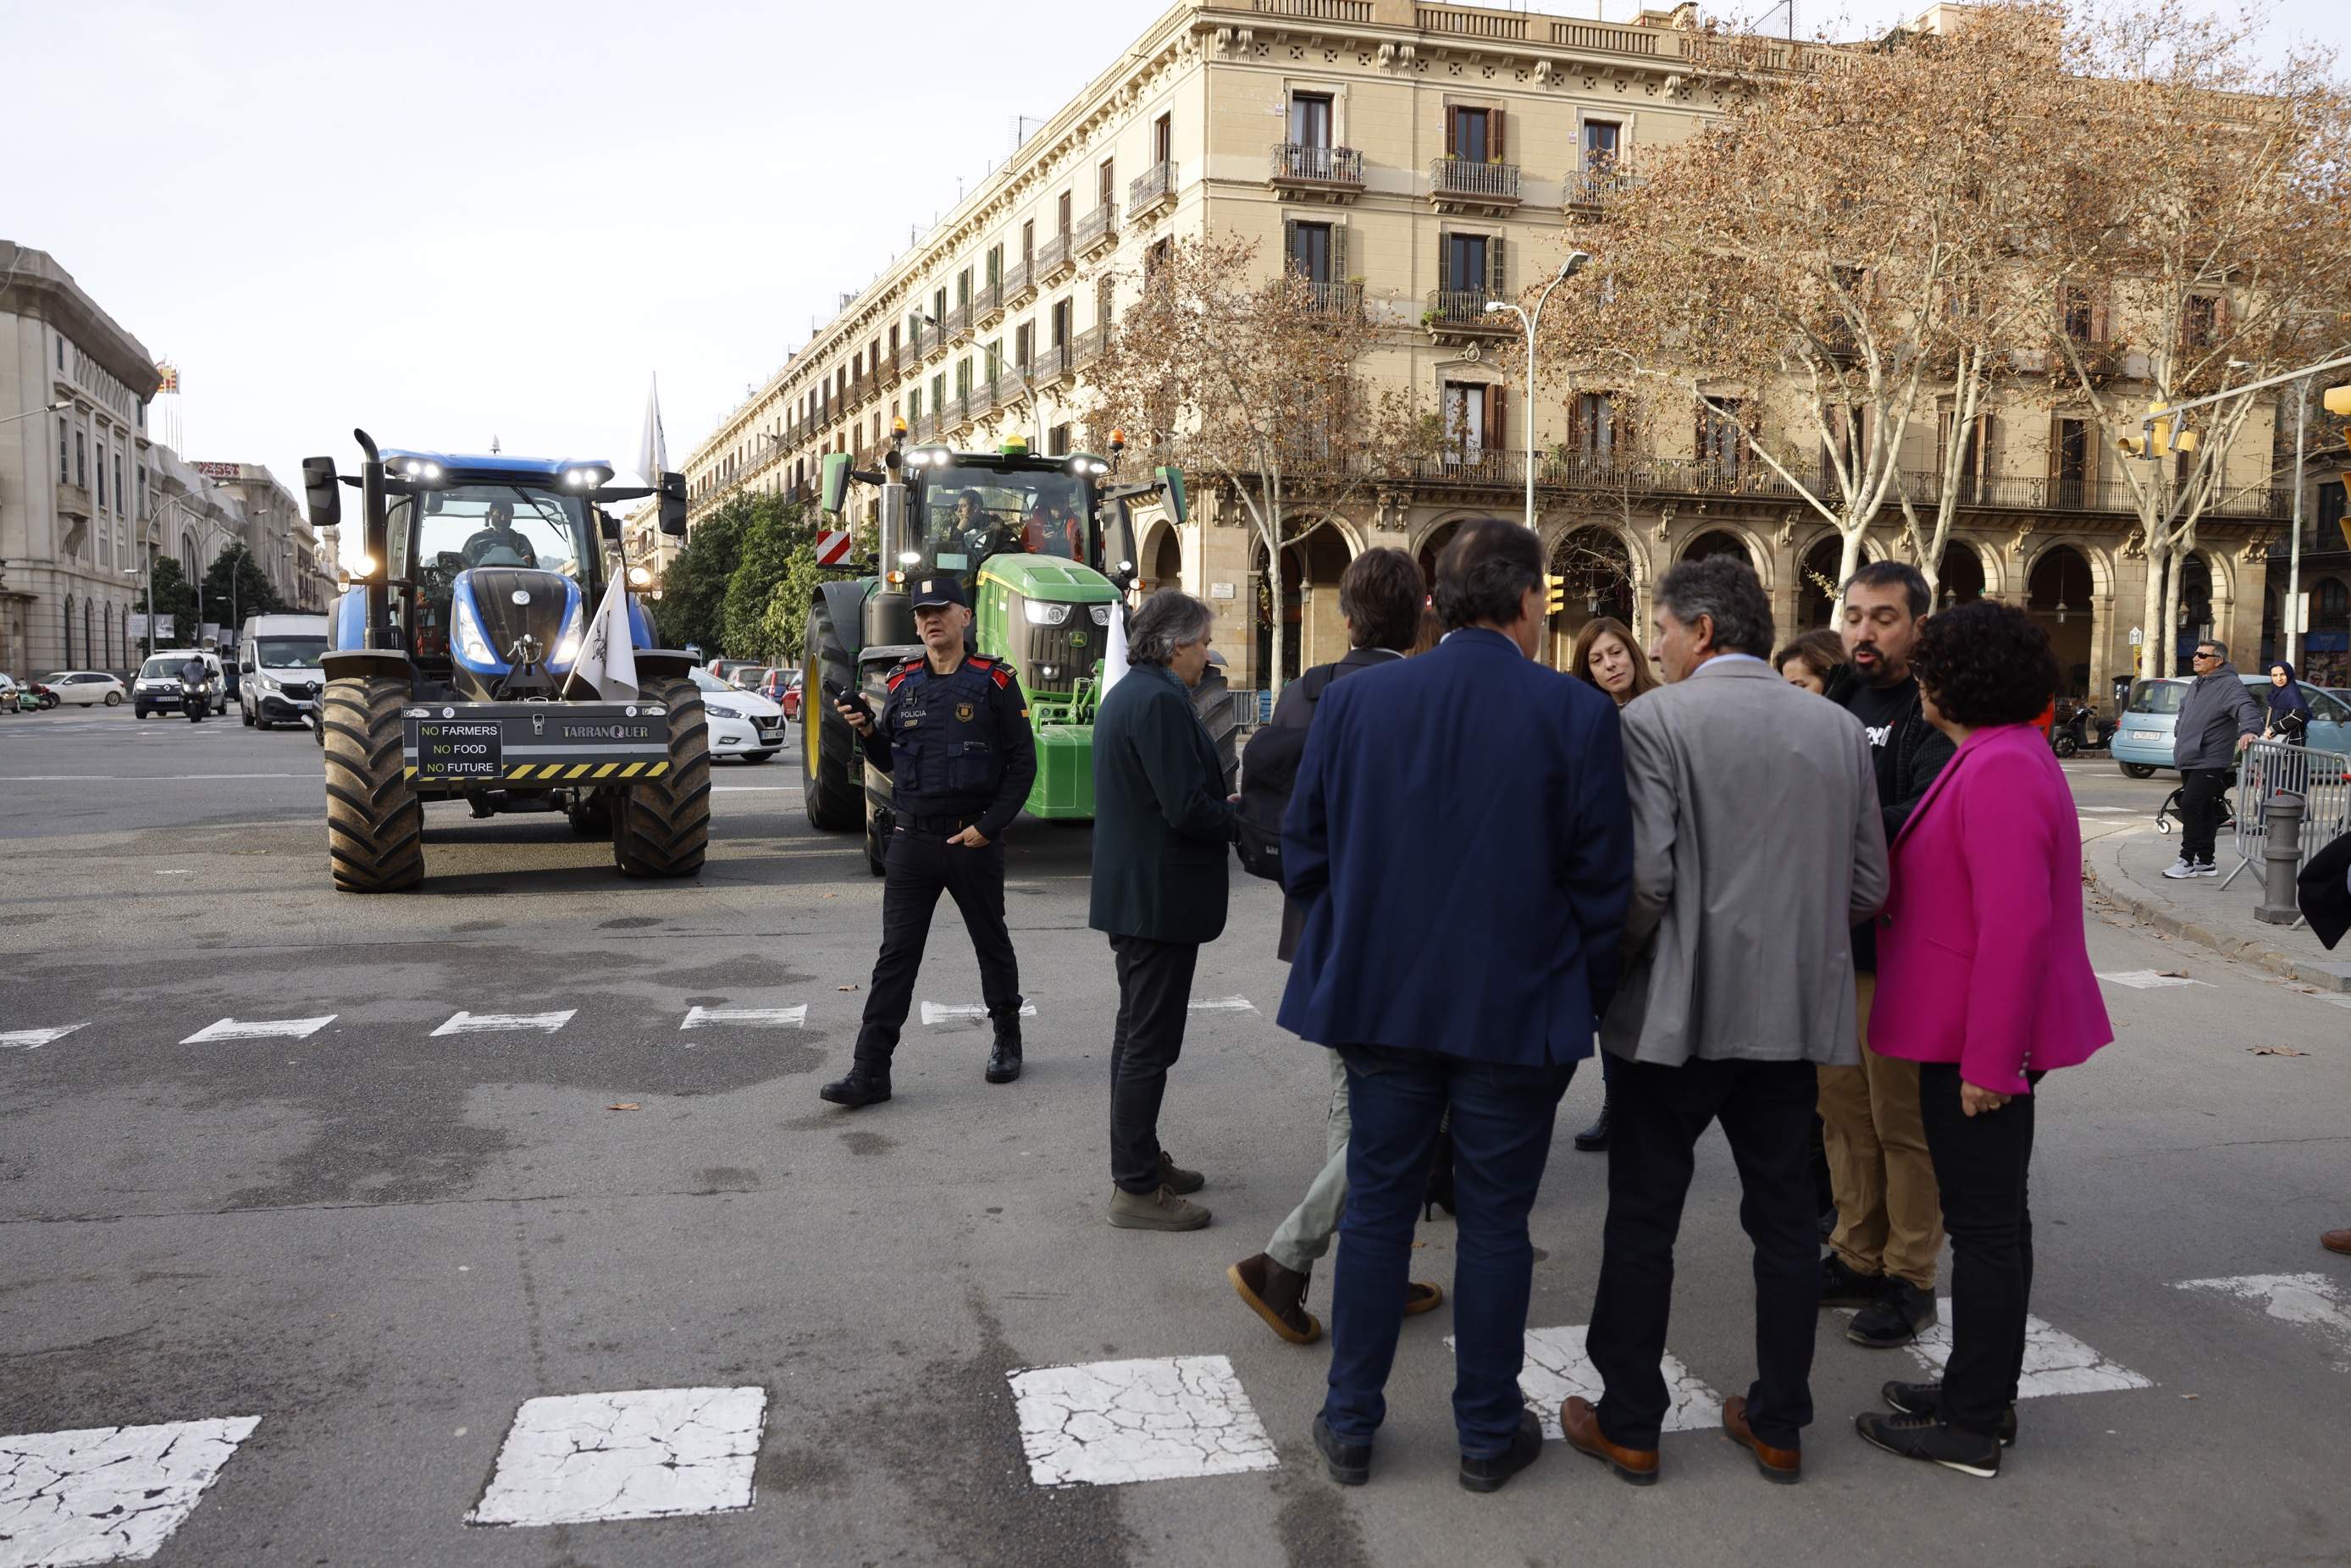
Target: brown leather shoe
(1581,1423)
(1420,1296)
(2336,1240)
(1278,1296)
(1786,1466)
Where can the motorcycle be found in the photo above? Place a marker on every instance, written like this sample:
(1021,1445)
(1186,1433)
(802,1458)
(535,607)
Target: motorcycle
(2081,730)
(195,698)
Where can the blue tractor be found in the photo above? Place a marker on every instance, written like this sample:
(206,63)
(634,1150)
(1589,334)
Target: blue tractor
(451,665)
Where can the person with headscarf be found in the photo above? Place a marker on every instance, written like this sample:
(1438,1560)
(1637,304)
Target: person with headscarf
(2288,710)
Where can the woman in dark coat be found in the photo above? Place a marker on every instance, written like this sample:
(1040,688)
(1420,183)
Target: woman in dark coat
(2289,709)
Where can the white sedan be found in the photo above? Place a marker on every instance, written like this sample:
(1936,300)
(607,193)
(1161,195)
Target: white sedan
(87,688)
(742,724)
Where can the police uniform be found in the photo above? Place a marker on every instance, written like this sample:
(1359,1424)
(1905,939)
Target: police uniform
(960,755)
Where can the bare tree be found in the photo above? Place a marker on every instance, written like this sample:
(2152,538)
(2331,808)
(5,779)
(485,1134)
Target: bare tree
(1253,382)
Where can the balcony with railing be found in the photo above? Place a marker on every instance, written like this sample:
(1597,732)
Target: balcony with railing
(1592,191)
(1460,314)
(1325,299)
(1054,260)
(1087,348)
(1328,174)
(1050,364)
(922,427)
(1151,191)
(1019,284)
(1461,185)
(933,341)
(958,321)
(1503,26)
(987,305)
(1096,232)
(1357,11)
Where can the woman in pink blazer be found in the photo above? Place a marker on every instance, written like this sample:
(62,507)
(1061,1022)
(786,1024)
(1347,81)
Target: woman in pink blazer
(1983,979)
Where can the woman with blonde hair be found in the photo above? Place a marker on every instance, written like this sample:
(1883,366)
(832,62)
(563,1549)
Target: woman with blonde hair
(1606,655)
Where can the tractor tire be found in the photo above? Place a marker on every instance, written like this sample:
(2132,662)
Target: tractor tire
(662,828)
(831,788)
(591,815)
(375,824)
(1213,701)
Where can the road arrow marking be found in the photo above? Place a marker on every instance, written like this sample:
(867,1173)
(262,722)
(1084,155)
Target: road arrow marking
(1223,1005)
(2311,1300)
(749,1017)
(2054,1361)
(1557,1364)
(936,1012)
(490,1022)
(33,1039)
(2148,979)
(271,1029)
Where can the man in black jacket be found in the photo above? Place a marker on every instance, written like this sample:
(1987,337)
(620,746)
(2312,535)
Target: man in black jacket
(1162,828)
(1889,1230)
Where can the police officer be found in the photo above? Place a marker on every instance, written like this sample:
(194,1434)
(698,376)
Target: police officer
(953,736)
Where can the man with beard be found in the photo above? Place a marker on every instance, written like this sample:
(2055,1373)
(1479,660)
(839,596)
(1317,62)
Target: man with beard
(1889,1227)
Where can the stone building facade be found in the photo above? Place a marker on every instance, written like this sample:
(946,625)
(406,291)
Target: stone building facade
(1418,160)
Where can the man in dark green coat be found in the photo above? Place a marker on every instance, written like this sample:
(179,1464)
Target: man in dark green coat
(1162,823)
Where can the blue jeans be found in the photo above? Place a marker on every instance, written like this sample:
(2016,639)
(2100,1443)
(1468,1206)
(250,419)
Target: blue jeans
(1502,1122)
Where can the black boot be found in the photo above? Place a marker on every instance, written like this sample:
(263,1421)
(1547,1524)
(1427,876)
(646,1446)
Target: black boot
(862,1087)
(1594,1139)
(1004,1060)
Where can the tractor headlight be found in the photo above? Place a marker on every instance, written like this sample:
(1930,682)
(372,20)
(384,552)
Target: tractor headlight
(639,577)
(470,641)
(1045,614)
(566,642)
(1102,615)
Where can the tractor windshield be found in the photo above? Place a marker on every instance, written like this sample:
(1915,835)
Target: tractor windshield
(469,526)
(968,514)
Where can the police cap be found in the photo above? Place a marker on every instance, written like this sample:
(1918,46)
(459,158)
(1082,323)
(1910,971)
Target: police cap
(930,593)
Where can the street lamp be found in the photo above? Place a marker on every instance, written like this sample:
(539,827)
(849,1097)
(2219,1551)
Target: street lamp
(57,407)
(1575,263)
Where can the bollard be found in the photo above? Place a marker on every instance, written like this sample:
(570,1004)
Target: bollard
(2281,859)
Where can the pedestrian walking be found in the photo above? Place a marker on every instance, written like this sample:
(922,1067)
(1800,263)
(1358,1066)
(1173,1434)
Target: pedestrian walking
(2218,719)
(1459,837)
(1607,655)
(1161,827)
(954,737)
(2288,718)
(1889,1233)
(1380,598)
(1739,983)
(1986,984)
(1812,662)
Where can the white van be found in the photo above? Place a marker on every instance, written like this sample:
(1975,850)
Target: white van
(156,688)
(278,678)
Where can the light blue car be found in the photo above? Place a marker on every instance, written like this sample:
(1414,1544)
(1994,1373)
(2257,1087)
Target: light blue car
(2142,741)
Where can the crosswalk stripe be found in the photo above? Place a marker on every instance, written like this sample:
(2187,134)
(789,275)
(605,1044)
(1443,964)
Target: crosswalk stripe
(2054,1361)
(751,1017)
(1223,1005)
(2312,1300)
(644,1453)
(271,1029)
(1105,1423)
(2147,978)
(1558,1366)
(33,1039)
(104,1494)
(489,1023)
(941,1012)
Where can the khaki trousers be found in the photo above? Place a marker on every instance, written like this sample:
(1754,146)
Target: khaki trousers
(1889,1212)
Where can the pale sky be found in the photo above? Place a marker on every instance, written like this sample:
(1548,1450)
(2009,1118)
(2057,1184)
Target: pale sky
(445,223)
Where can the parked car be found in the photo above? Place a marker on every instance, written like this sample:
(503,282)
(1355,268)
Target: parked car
(742,724)
(2142,741)
(782,687)
(726,669)
(157,687)
(86,687)
(29,696)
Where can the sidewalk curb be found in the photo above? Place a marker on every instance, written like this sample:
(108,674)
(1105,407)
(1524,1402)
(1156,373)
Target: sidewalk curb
(2150,911)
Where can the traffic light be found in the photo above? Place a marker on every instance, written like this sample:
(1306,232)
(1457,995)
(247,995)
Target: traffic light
(2161,442)
(2337,400)
(1554,593)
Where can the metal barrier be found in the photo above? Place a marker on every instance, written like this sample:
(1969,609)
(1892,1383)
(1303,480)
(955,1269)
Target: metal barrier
(2268,768)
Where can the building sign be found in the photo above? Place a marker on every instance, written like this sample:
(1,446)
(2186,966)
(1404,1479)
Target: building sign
(219,470)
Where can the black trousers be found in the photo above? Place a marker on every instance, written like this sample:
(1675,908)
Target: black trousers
(1155,995)
(1766,1111)
(1979,1167)
(919,868)
(2203,807)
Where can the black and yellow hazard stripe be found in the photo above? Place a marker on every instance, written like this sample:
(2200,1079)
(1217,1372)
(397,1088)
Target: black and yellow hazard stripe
(577,773)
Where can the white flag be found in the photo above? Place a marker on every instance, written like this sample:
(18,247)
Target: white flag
(1114,655)
(652,450)
(608,658)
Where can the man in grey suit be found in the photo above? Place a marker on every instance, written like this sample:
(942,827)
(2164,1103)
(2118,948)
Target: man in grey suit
(1757,846)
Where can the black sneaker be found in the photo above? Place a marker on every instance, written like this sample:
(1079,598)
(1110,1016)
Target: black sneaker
(1926,1399)
(1926,1437)
(1349,1464)
(859,1089)
(1842,1285)
(1895,1318)
(1488,1474)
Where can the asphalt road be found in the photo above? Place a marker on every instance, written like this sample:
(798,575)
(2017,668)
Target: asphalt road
(379,1239)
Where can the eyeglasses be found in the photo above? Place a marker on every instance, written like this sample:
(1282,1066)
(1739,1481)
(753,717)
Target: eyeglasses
(2199,654)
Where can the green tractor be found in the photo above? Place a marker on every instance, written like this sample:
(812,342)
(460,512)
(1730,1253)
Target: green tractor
(1045,548)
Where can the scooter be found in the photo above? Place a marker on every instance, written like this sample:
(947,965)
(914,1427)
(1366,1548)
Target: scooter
(2081,730)
(194,700)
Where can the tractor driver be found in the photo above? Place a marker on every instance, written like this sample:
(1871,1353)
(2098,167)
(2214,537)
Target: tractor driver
(975,531)
(499,544)
(954,737)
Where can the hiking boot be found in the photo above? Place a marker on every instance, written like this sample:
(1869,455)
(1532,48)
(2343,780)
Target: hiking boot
(1926,1399)
(859,1089)
(1004,1060)
(1176,1178)
(1842,1285)
(1349,1464)
(1277,1294)
(1488,1472)
(1927,1438)
(1895,1318)
(1594,1139)
(1159,1209)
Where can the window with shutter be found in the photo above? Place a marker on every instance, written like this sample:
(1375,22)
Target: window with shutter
(1338,253)
(1495,433)
(1494,120)
(1497,269)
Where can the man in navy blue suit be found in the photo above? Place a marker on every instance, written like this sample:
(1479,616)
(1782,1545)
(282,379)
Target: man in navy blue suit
(1461,836)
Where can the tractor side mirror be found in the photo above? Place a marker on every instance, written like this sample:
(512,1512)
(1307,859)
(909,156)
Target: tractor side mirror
(608,526)
(323,495)
(1118,543)
(672,505)
(834,489)
(1171,479)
